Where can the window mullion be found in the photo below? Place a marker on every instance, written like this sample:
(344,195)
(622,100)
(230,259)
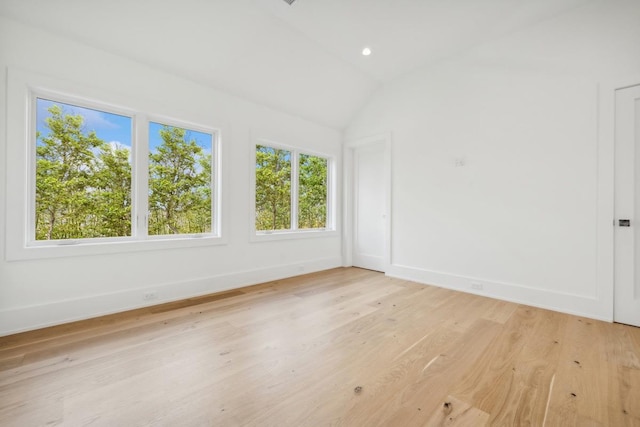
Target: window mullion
(294,190)
(328,221)
(31,231)
(141,176)
(216,177)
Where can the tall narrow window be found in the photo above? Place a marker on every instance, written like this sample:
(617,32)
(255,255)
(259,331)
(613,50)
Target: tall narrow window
(273,188)
(312,191)
(180,180)
(83,172)
(291,191)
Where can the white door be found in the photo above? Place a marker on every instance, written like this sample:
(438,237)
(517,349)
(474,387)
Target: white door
(627,207)
(369,206)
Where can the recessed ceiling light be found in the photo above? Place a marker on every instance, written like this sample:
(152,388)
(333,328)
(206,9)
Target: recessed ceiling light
(366,51)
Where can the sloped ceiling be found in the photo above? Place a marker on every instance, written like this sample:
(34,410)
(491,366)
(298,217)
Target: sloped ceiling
(303,59)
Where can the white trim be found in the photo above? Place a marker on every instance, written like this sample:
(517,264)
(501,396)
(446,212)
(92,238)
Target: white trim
(295,188)
(606,190)
(140,179)
(110,246)
(270,236)
(36,94)
(215,176)
(578,305)
(347,200)
(31,317)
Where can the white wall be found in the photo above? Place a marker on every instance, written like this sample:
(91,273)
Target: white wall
(521,217)
(36,293)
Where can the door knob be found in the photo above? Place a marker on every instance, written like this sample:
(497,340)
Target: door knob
(624,222)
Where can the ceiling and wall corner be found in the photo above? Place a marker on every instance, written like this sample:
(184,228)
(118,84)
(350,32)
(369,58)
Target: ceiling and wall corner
(304,58)
(520,218)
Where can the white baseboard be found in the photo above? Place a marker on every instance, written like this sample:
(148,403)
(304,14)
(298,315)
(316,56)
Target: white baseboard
(20,319)
(578,305)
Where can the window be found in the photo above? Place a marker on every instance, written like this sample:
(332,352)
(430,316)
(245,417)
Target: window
(312,191)
(180,180)
(292,191)
(273,188)
(88,185)
(83,172)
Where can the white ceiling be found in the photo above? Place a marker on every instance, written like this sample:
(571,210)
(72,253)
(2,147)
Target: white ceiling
(303,59)
(405,34)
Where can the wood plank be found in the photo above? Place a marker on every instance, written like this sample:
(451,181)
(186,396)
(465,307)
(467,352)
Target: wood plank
(579,396)
(341,347)
(456,413)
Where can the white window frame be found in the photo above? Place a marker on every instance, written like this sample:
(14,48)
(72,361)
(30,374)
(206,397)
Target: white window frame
(216,211)
(294,232)
(23,88)
(34,95)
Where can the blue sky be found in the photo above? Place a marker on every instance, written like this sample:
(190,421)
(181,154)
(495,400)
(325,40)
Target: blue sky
(204,140)
(111,127)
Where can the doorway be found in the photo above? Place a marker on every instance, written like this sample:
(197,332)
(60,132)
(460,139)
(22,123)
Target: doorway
(367,201)
(627,207)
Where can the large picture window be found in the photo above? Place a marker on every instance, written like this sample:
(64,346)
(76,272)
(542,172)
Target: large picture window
(88,182)
(291,190)
(83,172)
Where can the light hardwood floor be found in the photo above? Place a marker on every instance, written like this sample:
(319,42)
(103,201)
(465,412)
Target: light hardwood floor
(344,347)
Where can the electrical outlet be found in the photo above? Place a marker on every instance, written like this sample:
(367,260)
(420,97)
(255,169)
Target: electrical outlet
(477,286)
(150,295)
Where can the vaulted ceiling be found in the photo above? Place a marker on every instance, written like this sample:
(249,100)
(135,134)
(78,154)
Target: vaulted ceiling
(304,59)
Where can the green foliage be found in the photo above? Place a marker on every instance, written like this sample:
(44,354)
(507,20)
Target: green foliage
(312,192)
(273,188)
(179,185)
(113,202)
(80,194)
(83,184)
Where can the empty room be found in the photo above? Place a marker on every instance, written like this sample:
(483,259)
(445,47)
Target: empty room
(319,212)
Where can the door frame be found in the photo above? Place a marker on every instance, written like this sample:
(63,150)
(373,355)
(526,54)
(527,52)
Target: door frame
(348,194)
(605,230)
(626,199)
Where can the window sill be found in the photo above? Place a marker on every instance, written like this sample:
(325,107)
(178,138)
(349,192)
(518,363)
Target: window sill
(80,248)
(269,236)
